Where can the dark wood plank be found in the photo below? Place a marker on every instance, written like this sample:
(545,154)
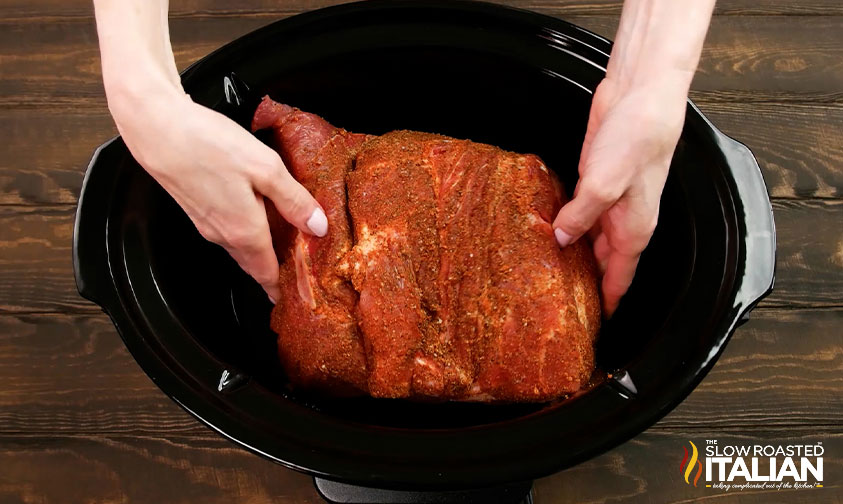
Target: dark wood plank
(71,374)
(799,148)
(26,11)
(750,53)
(786,358)
(778,7)
(809,267)
(36,270)
(145,470)
(45,152)
(209,469)
(47,63)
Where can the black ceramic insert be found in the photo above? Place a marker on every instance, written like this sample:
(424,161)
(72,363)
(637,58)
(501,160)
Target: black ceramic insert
(199,326)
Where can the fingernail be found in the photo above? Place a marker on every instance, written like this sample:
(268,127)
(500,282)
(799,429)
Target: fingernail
(563,238)
(318,223)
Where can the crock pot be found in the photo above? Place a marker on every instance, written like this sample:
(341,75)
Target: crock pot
(198,326)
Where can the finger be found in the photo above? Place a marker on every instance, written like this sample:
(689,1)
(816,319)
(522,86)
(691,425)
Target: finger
(602,251)
(283,233)
(292,200)
(581,213)
(595,231)
(620,270)
(251,247)
(632,221)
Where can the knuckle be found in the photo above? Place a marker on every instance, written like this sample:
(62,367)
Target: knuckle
(639,245)
(573,223)
(247,238)
(641,234)
(264,276)
(650,227)
(293,201)
(638,241)
(208,232)
(615,289)
(265,175)
(602,193)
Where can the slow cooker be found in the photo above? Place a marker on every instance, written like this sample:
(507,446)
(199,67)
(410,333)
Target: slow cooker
(198,326)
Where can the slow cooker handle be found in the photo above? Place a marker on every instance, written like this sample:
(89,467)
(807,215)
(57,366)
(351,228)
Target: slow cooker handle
(90,255)
(759,237)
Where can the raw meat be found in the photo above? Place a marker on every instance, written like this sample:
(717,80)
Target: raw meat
(319,342)
(440,276)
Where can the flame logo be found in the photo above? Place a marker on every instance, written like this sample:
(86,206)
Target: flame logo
(689,468)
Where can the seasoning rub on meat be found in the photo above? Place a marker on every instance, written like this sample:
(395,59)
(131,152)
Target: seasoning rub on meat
(440,276)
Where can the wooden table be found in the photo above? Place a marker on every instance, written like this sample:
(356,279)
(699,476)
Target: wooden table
(80,422)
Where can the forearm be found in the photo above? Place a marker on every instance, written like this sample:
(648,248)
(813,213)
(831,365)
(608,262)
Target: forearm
(658,44)
(137,59)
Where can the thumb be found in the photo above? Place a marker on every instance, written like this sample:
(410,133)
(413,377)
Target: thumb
(581,213)
(292,200)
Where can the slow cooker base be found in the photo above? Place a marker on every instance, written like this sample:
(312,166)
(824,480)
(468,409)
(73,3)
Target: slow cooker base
(343,493)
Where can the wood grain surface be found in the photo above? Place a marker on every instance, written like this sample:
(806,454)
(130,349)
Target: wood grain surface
(208,469)
(81,423)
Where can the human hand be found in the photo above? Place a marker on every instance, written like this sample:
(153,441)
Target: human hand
(219,174)
(214,169)
(631,135)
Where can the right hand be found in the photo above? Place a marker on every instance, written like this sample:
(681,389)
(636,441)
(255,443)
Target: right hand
(631,135)
(219,174)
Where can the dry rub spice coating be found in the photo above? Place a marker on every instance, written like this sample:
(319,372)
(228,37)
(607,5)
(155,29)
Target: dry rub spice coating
(440,276)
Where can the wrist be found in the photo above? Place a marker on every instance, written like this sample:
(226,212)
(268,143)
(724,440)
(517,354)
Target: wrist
(658,45)
(654,110)
(147,113)
(136,96)
(668,87)
(137,60)
(652,72)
